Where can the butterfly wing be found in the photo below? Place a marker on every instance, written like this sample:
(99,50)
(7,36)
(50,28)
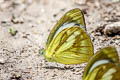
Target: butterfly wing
(109,71)
(70,46)
(105,55)
(75,17)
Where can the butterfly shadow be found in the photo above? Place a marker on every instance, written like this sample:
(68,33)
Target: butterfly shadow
(59,68)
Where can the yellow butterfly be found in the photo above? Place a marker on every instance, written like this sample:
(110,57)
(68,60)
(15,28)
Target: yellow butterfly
(68,42)
(104,65)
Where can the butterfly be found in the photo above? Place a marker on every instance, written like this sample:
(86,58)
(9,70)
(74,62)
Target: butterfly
(68,42)
(104,65)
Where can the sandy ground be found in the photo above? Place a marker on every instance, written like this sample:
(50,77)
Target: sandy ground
(33,20)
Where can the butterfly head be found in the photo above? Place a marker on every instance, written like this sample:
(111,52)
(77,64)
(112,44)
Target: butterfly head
(48,56)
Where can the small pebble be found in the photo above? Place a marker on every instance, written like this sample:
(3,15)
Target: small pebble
(2,61)
(80,2)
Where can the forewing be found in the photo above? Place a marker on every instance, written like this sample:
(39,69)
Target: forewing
(74,16)
(109,71)
(107,54)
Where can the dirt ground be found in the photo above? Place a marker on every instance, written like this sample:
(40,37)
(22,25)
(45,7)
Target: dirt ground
(33,19)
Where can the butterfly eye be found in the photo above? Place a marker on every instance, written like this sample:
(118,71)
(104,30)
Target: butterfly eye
(68,42)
